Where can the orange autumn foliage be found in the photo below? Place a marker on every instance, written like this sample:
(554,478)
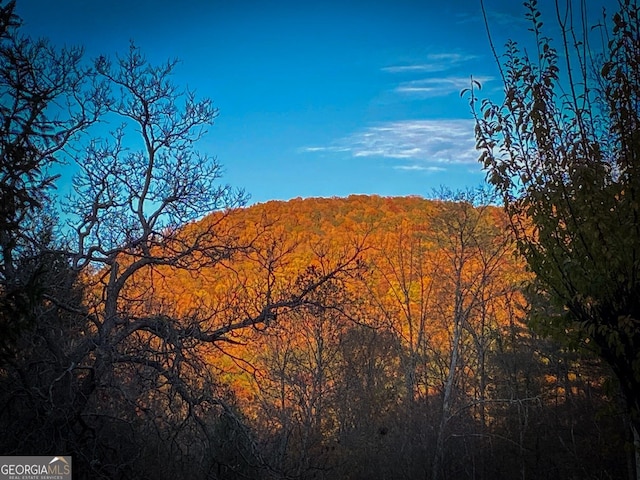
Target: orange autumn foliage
(418,258)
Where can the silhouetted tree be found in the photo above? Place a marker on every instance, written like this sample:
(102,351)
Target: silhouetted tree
(46,98)
(563,150)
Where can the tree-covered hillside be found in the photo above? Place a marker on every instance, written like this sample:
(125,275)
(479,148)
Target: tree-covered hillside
(344,333)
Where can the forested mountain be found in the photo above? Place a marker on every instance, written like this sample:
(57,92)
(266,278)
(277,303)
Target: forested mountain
(416,363)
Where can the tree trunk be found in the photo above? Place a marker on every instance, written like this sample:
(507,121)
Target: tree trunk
(636,449)
(448,390)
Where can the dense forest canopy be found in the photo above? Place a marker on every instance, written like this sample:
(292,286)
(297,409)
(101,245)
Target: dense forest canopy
(170,331)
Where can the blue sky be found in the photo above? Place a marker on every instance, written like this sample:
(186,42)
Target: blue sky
(315,98)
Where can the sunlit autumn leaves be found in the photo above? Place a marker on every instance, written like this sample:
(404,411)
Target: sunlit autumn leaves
(337,328)
(434,285)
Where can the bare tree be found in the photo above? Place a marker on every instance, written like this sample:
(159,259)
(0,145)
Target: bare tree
(127,374)
(472,253)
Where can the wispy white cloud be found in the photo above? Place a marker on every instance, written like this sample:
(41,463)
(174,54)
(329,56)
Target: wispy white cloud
(438,86)
(437,77)
(314,149)
(420,168)
(435,62)
(428,145)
